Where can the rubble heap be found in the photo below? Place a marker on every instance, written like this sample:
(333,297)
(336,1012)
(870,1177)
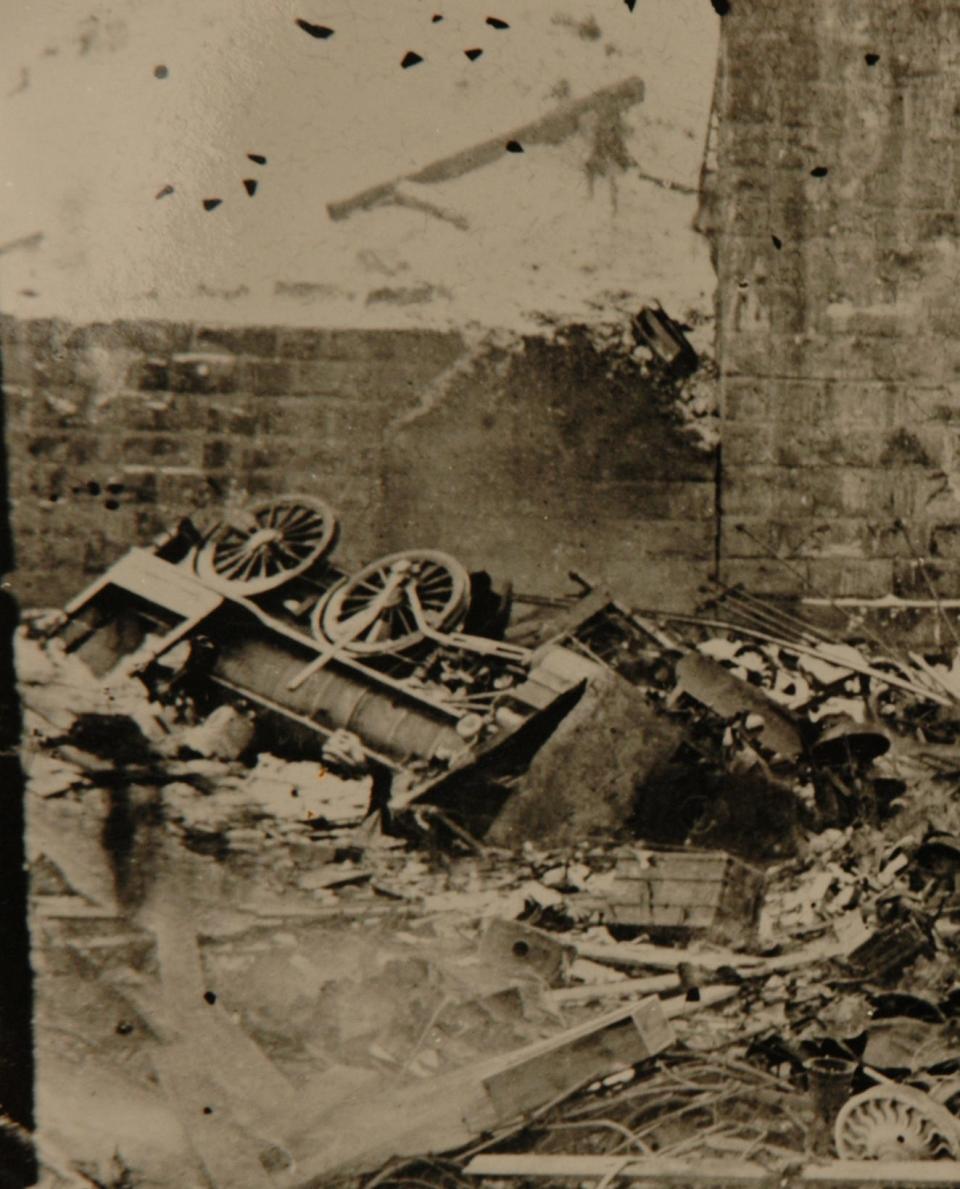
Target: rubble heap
(681,904)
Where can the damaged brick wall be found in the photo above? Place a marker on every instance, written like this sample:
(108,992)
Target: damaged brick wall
(839,180)
(528,460)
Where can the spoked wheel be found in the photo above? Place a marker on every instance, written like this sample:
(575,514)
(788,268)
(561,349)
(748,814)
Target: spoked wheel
(266,544)
(371,613)
(891,1122)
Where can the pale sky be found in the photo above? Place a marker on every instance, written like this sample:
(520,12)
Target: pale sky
(91,135)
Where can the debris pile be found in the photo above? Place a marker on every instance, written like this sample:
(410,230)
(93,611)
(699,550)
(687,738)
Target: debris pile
(398,878)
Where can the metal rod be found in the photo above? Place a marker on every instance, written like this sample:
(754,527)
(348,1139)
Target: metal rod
(805,650)
(785,616)
(927,580)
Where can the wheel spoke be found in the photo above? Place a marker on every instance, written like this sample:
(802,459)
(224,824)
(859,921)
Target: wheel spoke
(299,516)
(312,528)
(235,565)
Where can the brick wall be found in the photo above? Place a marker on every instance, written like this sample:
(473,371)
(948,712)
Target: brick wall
(529,462)
(838,200)
(835,216)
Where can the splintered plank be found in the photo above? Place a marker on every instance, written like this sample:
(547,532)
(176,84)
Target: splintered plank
(233,1102)
(259,1093)
(227,1152)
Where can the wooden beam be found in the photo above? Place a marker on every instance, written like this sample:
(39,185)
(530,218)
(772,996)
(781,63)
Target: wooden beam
(665,1171)
(549,129)
(661,1169)
(748,965)
(662,957)
(614,990)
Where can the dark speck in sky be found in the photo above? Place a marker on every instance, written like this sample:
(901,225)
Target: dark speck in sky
(514,146)
(211,204)
(631,4)
(871,59)
(437,16)
(321,31)
(164,192)
(250,185)
(473,54)
(819,171)
(496,23)
(160,72)
(777,242)
(721,7)
(257,157)
(410,59)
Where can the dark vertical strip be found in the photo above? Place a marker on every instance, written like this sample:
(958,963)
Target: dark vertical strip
(17,1161)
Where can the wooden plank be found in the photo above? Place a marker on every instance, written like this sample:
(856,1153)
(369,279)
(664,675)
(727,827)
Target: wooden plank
(72,908)
(259,1092)
(156,581)
(539,131)
(528,1082)
(613,990)
(660,893)
(714,686)
(660,916)
(749,965)
(233,1102)
(883,1172)
(228,1154)
(665,1171)
(662,957)
(675,866)
(661,1169)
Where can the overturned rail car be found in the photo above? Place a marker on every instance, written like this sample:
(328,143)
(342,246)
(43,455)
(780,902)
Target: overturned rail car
(408,652)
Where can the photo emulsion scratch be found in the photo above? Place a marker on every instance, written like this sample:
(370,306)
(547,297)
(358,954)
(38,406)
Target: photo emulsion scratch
(481,694)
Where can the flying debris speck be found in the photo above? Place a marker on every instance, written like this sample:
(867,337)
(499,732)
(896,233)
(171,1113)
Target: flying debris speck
(473,54)
(437,16)
(319,31)
(160,71)
(164,192)
(211,204)
(250,185)
(410,59)
(514,146)
(496,23)
(257,157)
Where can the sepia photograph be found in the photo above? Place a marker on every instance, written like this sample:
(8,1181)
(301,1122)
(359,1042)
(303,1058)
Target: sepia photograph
(480,594)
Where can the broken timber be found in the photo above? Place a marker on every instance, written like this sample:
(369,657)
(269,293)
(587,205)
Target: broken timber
(550,129)
(451,1110)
